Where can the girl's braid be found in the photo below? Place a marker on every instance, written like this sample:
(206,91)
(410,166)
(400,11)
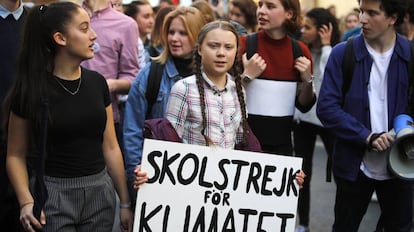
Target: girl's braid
(200,86)
(240,95)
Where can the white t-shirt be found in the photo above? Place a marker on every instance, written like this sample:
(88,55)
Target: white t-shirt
(374,164)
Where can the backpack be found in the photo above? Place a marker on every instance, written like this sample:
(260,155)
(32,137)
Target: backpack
(162,129)
(153,85)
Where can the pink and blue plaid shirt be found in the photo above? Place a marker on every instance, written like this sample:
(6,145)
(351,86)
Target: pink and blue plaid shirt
(223,112)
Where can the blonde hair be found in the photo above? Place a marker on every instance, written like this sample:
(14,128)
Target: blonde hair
(193,21)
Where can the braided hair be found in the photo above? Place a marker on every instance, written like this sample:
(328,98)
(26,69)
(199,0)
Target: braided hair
(224,25)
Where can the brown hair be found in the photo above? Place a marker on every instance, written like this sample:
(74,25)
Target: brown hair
(204,7)
(159,20)
(224,25)
(293,24)
(249,9)
(193,22)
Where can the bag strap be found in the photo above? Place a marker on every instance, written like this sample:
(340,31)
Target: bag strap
(297,51)
(251,45)
(152,51)
(153,85)
(348,66)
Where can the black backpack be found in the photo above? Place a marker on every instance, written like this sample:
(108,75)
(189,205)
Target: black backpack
(153,85)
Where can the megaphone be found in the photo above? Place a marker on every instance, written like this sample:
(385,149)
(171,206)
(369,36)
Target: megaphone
(401,155)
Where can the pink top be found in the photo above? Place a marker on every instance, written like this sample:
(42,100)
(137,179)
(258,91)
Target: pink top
(116,55)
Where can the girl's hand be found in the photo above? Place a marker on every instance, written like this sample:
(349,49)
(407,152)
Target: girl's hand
(29,222)
(325,32)
(303,65)
(126,219)
(140,177)
(300,178)
(254,66)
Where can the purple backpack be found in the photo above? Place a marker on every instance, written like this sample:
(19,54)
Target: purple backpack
(162,129)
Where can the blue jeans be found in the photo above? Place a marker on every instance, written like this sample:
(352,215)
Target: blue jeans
(353,198)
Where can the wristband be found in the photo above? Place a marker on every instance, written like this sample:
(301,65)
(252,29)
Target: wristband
(125,206)
(374,137)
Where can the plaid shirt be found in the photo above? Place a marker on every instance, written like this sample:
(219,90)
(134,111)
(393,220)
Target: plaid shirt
(222,112)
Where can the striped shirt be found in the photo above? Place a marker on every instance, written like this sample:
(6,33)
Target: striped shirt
(223,112)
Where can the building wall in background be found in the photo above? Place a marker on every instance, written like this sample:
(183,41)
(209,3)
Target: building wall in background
(342,7)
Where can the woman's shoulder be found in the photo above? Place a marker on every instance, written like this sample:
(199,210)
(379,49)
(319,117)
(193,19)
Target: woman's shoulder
(94,78)
(187,81)
(88,73)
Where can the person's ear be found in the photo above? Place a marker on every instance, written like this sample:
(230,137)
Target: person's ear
(199,50)
(289,14)
(59,38)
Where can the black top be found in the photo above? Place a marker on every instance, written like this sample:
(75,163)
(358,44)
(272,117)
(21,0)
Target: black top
(184,66)
(76,125)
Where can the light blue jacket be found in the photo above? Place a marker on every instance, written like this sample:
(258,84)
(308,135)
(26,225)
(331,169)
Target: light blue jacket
(350,121)
(136,110)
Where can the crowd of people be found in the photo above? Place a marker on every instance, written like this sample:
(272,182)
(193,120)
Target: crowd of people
(75,86)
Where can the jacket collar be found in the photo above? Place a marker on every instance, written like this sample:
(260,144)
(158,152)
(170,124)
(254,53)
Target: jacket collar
(402,48)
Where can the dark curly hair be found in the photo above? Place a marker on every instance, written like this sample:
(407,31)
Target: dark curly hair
(320,17)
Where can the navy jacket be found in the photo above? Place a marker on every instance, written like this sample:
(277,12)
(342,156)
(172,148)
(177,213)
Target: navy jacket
(350,121)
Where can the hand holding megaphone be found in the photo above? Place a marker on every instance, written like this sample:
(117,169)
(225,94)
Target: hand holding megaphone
(380,141)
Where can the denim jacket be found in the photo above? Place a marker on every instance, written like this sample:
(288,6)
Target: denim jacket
(349,116)
(136,110)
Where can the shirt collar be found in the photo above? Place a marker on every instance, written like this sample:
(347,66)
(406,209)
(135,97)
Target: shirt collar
(97,12)
(16,14)
(213,87)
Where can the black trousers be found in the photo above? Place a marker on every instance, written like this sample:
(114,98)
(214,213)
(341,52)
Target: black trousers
(353,198)
(304,136)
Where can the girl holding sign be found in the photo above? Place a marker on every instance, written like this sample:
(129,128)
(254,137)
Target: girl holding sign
(208,108)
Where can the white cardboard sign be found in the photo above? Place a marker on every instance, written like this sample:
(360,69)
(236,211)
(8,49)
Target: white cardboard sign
(197,188)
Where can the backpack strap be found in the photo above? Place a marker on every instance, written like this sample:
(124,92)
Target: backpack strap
(152,51)
(153,85)
(297,51)
(251,45)
(348,66)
